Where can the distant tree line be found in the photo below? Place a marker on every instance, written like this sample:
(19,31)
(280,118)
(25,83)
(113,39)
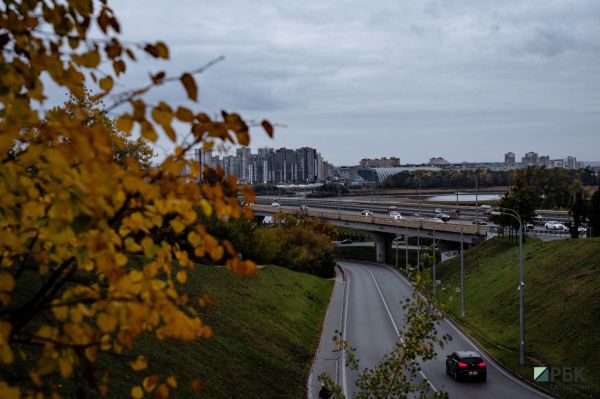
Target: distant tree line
(329,190)
(541,188)
(538,177)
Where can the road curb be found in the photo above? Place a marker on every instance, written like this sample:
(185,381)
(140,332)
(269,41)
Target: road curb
(311,376)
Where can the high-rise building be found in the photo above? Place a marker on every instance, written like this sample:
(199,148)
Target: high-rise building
(509,158)
(530,158)
(437,161)
(571,162)
(304,165)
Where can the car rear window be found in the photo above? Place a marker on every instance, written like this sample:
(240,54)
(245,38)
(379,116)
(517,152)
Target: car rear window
(471,359)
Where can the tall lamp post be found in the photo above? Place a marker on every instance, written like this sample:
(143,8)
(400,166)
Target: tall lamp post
(517,217)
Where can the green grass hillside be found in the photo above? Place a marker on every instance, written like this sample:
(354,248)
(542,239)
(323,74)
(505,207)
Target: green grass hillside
(562,303)
(266,330)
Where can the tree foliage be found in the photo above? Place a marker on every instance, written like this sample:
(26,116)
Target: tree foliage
(396,376)
(95,244)
(297,242)
(594,213)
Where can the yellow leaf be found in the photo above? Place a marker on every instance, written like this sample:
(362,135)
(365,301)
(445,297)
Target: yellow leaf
(8,392)
(170,132)
(172,382)
(131,245)
(150,382)
(189,83)
(106,83)
(206,208)
(148,131)
(65,366)
(139,364)
(6,354)
(184,114)
(182,276)
(107,322)
(216,253)
(137,393)
(7,282)
(162,114)
(177,225)
(125,123)
(163,50)
(194,238)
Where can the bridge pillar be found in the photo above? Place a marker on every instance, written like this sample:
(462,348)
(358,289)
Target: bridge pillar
(383,246)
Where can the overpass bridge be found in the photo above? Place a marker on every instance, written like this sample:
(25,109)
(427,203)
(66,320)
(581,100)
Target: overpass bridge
(385,229)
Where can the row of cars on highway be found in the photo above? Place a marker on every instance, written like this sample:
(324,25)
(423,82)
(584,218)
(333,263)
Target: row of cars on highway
(441,217)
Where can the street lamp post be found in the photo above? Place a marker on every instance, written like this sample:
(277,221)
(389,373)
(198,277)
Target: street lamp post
(462,275)
(396,250)
(406,250)
(521,288)
(433,268)
(338,199)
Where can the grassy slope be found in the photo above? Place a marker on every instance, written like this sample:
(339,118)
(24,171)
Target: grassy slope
(562,302)
(266,330)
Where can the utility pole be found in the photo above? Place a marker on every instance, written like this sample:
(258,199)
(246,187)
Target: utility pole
(419,248)
(433,268)
(338,199)
(396,250)
(462,275)
(406,250)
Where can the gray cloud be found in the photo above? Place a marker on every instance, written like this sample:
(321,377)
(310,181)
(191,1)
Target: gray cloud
(408,79)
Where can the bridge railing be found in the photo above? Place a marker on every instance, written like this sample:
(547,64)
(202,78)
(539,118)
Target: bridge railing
(378,220)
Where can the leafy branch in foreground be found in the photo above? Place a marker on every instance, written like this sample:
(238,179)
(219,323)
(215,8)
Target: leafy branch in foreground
(96,245)
(397,375)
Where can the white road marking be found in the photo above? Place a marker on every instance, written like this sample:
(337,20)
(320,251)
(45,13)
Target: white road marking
(489,360)
(396,327)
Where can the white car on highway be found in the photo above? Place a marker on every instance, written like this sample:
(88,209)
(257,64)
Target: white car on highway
(367,212)
(275,203)
(553,225)
(394,215)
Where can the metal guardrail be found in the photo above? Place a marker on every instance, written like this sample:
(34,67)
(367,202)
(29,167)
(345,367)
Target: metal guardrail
(378,220)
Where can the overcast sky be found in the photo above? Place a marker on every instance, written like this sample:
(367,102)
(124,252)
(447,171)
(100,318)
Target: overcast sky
(466,80)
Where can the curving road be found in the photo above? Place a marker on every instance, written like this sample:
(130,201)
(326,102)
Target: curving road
(366,307)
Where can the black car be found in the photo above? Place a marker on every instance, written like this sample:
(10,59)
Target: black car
(346,241)
(466,364)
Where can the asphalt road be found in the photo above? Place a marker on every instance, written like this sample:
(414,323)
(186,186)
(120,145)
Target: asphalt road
(369,313)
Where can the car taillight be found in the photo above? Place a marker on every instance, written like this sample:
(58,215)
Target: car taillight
(461,364)
(482,364)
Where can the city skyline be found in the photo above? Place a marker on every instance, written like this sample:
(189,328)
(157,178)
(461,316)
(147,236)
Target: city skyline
(464,80)
(403,160)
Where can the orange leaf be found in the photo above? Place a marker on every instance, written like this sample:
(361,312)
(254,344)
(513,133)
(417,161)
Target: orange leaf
(189,83)
(137,393)
(268,127)
(197,385)
(106,83)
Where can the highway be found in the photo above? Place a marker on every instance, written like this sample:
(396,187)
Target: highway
(425,216)
(366,306)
